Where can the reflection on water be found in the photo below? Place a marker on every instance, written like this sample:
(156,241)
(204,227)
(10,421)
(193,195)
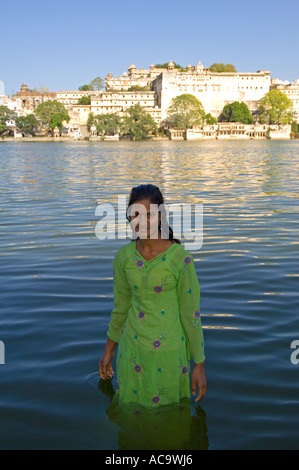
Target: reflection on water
(57,296)
(169,428)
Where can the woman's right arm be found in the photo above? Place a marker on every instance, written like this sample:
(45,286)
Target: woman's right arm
(105,364)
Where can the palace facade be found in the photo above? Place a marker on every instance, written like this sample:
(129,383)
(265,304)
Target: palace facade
(157,86)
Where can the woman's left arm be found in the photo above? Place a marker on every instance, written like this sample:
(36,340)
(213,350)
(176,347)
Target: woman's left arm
(189,303)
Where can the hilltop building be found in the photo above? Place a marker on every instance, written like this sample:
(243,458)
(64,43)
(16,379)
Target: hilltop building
(154,89)
(135,77)
(160,85)
(117,102)
(292,92)
(214,90)
(29,100)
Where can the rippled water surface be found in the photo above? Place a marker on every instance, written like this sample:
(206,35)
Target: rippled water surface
(56,292)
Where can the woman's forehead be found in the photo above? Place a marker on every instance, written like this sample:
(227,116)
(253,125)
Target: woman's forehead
(147,204)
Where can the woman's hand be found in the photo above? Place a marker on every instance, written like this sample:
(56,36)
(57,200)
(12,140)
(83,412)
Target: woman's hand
(105,364)
(199,379)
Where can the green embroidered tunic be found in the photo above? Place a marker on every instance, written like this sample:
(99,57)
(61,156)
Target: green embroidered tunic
(156,321)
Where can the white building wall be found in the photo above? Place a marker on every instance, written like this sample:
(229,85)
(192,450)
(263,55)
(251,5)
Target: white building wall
(213,90)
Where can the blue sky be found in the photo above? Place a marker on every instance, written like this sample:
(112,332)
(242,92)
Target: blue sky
(65,44)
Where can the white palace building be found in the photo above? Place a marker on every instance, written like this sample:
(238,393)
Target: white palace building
(157,86)
(214,90)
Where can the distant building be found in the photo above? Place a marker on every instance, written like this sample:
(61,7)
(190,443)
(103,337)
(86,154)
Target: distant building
(70,98)
(116,102)
(12,104)
(213,90)
(134,77)
(29,100)
(154,88)
(291,90)
(232,131)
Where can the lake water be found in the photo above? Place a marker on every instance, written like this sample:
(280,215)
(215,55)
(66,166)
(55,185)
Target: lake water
(56,292)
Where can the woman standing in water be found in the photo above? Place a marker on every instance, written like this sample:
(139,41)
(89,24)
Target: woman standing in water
(156,316)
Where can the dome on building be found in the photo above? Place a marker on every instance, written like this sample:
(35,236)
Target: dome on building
(24,87)
(132,67)
(170,65)
(199,65)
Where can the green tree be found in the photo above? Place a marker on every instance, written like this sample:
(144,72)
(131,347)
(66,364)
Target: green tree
(165,66)
(138,88)
(85,88)
(221,68)
(51,114)
(84,100)
(275,108)
(236,112)
(294,127)
(97,83)
(138,124)
(6,115)
(90,120)
(58,119)
(27,124)
(41,89)
(185,111)
(107,124)
(209,119)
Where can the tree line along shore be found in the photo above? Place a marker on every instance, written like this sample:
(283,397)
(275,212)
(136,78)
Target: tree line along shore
(185,112)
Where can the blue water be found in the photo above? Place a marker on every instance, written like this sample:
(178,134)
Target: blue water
(56,292)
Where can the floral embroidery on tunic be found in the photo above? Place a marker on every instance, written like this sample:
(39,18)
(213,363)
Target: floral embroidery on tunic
(137,367)
(159,289)
(196,321)
(157,342)
(182,366)
(156,398)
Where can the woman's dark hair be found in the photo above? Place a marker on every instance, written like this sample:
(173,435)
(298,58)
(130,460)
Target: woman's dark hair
(154,195)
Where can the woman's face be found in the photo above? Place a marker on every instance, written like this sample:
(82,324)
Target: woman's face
(145,218)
